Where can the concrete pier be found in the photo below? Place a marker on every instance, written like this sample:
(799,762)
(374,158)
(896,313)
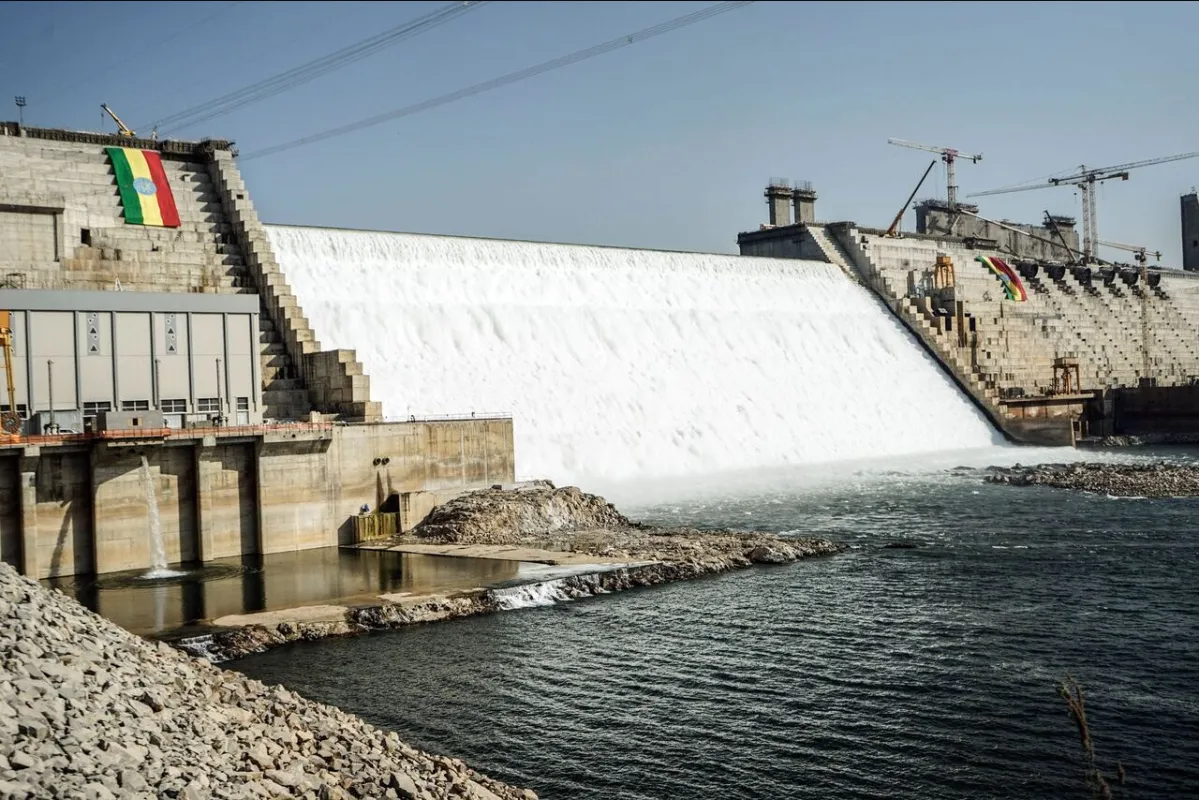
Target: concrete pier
(75,504)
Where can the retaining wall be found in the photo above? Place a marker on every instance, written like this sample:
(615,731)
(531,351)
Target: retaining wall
(79,506)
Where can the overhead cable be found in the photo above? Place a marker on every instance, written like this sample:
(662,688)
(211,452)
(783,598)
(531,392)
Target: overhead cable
(312,70)
(510,78)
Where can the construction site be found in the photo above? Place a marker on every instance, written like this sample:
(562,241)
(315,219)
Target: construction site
(1052,342)
(155,355)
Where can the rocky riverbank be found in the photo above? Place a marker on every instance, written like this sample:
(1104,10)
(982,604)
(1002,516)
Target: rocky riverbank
(88,710)
(1118,480)
(568,520)
(541,517)
(1140,440)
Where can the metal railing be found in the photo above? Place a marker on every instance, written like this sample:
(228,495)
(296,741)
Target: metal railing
(232,431)
(127,434)
(474,415)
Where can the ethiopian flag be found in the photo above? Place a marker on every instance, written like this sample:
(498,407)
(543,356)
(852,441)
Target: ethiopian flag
(145,193)
(1013,287)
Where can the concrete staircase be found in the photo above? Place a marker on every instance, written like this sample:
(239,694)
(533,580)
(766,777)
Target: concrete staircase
(298,378)
(924,326)
(76,238)
(97,248)
(833,252)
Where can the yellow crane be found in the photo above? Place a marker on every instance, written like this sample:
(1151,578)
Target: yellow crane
(123,129)
(10,421)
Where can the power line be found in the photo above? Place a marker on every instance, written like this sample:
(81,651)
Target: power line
(510,78)
(314,69)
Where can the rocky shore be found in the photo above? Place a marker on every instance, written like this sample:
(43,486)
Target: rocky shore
(547,518)
(1140,440)
(1118,480)
(88,710)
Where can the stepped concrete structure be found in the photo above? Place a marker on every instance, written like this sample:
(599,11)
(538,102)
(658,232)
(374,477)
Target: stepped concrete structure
(1094,350)
(1057,239)
(186,346)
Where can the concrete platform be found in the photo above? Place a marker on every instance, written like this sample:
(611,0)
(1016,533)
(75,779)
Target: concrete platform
(500,552)
(537,566)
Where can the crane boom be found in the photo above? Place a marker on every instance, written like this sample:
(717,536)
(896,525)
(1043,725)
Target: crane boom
(950,156)
(123,129)
(1085,179)
(899,217)
(1141,253)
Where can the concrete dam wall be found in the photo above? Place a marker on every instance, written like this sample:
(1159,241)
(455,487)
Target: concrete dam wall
(1068,352)
(185,345)
(621,364)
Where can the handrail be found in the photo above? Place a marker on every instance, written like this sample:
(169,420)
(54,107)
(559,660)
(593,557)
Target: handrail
(223,431)
(460,417)
(167,433)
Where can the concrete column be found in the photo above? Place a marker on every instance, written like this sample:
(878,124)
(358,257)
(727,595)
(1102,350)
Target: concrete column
(778,198)
(28,471)
(226,500)
(804,198)
(205,518)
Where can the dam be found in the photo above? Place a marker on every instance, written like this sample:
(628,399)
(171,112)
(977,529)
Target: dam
(293,388)
(145,317)
(1052,346)
(620,364)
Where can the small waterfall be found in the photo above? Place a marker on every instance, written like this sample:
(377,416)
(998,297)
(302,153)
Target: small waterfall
(158,554)
(531,595)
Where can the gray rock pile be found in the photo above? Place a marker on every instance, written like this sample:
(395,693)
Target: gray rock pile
(509,516)
(570,520)
(696,552)
(88,710)
(1119,480)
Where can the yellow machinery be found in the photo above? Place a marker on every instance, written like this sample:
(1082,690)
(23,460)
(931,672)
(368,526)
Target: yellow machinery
(123,128)
(10,420)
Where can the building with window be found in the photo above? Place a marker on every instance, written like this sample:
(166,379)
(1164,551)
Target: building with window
(77,354)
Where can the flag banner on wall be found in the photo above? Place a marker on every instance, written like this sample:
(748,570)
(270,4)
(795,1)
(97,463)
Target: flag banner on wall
(142,182)
(1013,287)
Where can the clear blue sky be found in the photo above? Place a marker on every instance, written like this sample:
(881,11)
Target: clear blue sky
(667,143)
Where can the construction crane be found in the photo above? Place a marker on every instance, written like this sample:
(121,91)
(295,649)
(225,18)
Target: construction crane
(1139,254)
(950,156)
(10,420)
(1086,179)
(893,230)
(123,129)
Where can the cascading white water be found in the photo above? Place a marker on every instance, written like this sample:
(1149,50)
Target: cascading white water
(621,364)
(158,555)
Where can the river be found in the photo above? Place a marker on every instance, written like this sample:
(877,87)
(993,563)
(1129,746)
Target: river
(925,672)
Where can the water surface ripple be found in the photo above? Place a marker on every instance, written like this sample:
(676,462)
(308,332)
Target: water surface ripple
(921,673)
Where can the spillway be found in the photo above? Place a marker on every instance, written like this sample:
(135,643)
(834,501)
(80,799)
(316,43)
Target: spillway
(623,364)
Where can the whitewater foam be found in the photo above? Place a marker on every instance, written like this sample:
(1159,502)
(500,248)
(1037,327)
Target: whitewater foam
(531,595)
(620,364)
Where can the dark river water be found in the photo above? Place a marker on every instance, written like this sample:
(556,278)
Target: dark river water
(922,673)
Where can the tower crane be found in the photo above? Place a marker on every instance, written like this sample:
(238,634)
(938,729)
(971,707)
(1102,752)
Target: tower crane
(1139,254)
(950,156)
(1086,179)
(122,128)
